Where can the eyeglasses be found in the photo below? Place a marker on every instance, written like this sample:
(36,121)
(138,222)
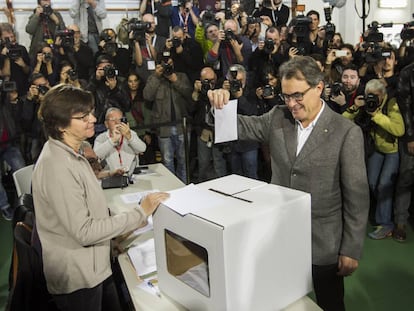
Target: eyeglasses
(86,117)
(117,120)
(297,96)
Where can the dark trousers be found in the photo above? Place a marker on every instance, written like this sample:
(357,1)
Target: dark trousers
(329,287)
(101,297)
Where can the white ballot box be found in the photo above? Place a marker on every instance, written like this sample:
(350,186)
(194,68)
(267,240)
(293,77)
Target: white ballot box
(247,248)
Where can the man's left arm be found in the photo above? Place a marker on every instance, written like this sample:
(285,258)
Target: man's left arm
(355,200)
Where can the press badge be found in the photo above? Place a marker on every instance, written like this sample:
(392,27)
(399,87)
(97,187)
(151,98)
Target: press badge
(151,65)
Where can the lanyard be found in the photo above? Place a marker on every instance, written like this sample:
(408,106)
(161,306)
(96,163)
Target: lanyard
(118,149)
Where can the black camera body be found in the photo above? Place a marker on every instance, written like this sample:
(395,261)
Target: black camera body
(14,51)
(268,90)
(42,89)
(67,37)
(253,20)
(47,10)
(139,29)
(269,45)
(73,75)
(7,86)
(209,17)
(205,87)
(371,102)
(168,69)
(110,72)
(124,120)
(47,57)
(301,27)
(229,35)
(176,42)
(406,32)
(336,88)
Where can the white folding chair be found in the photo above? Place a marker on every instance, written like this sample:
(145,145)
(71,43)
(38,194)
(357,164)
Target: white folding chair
(23,180)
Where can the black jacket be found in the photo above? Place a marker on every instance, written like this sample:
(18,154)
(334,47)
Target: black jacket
(405,100)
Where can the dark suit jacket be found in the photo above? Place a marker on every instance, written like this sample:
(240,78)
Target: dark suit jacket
(330,167)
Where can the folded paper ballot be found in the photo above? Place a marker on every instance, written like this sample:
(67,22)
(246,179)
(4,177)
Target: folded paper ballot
(142,257)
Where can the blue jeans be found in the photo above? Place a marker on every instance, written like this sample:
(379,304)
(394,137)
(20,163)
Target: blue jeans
(13,157)
(244,163)
(382,176)
(171,147)
(205,154)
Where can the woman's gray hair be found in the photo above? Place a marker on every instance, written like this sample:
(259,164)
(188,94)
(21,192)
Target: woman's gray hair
(375,85)
(302,68)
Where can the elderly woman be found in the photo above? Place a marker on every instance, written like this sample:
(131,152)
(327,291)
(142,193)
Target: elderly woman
(72,218)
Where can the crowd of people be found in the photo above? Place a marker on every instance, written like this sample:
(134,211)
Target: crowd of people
(152,95)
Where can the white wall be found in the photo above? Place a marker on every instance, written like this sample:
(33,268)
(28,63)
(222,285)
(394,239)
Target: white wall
(346,19)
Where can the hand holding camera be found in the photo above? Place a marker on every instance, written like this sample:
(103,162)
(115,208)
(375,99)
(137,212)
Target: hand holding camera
(124,129)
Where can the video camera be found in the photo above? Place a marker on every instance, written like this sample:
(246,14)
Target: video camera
(371,102)
(67,37)
(374,52)
(138,29)
(301,30)
(406,32)
(235,85)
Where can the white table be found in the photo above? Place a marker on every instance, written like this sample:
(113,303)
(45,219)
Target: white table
(162,180)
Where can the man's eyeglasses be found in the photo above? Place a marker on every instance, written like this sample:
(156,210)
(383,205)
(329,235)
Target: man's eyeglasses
(86,117)
(297,96)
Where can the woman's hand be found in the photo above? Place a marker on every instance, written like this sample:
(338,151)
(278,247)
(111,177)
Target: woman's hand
(151,201)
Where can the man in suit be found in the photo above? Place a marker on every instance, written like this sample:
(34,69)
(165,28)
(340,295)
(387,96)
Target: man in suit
(318,151)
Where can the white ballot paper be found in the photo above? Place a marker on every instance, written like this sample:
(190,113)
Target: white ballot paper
(142,257)
(225,123)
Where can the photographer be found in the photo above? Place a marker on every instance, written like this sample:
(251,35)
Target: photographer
(206,35)
(185,52)
(31,125)
(243,158)
(268,53)
(47,63)
(267,92)
(78,53)
(386,125)
(10,113)
(340,96)
(88,15)
(230,48)
(275,11)
(118,146)
(18,56)
(108,45)
(207,151)
(170,93)
(162,11)
(42,25)
(107,90)
(255,31)
(336,61)
(186,16)
(68,75)
(146,50)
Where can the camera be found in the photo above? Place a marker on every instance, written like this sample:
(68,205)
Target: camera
(235,85)
(253,20)
(208,17)
(47,10)
(301,27)
(47,57)
(124,120)
(73,75)
(66,36)
(371,102)
(269,45)
(205,86)
(8,86)
(176,42)
(406,32)
(168,69)
(336,89)
(229,35)
(329,27)
(138,29)
(42,89)
(268,91)
(110,72)
(14,51)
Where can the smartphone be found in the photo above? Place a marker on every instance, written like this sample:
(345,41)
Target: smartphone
(340,53)
(124,120)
